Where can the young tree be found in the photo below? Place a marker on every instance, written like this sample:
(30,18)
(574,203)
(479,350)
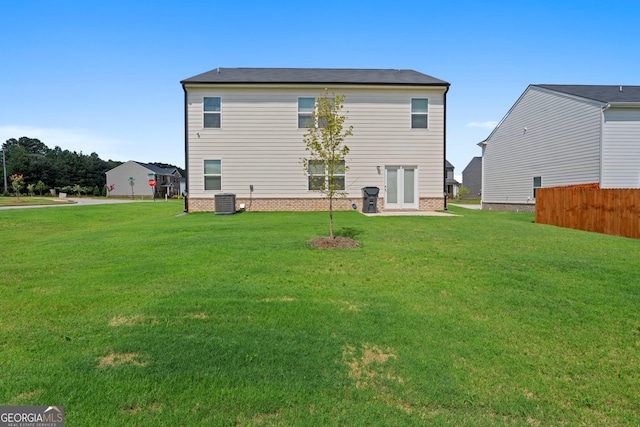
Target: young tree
(462,191)
(16,183)
(324,140)
(40,187)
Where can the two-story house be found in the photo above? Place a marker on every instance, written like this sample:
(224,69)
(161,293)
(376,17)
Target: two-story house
(472,177)
(451,185)
(561,135)
(244,131)
(131,179)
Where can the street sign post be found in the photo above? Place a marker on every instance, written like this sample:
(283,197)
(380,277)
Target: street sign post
(132,182)
(152,183)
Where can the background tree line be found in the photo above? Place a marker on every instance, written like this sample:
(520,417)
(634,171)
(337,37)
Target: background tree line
(56,168)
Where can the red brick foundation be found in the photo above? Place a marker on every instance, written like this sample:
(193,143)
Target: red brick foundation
(303,205)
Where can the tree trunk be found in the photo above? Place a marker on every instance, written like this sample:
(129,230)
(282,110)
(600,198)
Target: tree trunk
(331,217)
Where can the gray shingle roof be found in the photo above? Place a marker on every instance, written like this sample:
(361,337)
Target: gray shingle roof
(315,75)
(599,92)
(158,170)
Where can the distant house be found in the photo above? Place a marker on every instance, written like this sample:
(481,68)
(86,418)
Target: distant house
(559,135)
(450,183)
(245,127)
(132,179)
(472,177)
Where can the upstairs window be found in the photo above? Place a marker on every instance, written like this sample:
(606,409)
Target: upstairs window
(419,113)
(306,107)
(537,183)
(211,112)
(319,180)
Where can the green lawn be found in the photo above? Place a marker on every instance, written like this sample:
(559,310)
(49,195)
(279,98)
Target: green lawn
(133,314)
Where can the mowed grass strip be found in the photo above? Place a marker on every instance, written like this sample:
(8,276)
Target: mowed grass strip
(134,314)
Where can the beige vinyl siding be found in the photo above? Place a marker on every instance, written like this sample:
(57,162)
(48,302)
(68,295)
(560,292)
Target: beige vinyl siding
(260,144)
(561,144)
(621,148)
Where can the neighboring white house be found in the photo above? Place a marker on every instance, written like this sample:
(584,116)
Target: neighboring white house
(558,135)
(244,131)
(450,184)
(132,179)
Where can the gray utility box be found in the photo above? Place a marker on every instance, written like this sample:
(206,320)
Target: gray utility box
(225,204)
(370,199)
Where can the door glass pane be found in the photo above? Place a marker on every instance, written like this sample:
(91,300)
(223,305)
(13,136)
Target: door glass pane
(409,186)
(392,185)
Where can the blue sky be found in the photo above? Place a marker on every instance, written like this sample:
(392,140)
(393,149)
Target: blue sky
(104,76)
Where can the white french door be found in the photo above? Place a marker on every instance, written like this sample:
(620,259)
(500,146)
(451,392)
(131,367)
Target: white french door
(401,187)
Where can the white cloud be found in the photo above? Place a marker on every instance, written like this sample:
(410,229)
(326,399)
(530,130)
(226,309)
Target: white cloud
(78,140)
(484,125)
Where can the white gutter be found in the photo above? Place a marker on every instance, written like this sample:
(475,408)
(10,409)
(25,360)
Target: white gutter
(622,105)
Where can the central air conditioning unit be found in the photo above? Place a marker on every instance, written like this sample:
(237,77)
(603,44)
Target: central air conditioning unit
(225,204)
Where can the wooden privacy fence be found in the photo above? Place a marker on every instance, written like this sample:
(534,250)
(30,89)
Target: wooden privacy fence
(590,208)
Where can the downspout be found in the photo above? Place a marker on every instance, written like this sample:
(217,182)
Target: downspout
(186,152)
(444,141)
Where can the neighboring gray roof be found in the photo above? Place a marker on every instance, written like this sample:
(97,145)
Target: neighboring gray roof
(472,161)
(315,75)
(448,165)
(599,92)
(158,170)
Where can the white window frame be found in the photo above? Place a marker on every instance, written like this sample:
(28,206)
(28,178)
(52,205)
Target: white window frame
(315,111)
(204,113)
(304,113)
(534,185)
(205,174)
(326,177)
(419,113)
